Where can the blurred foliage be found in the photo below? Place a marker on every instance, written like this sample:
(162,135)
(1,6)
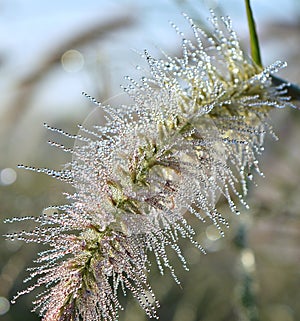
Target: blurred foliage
(217,283)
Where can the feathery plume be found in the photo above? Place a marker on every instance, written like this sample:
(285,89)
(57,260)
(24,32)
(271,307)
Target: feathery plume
(194,131)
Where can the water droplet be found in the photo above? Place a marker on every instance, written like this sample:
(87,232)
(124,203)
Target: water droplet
(250,176)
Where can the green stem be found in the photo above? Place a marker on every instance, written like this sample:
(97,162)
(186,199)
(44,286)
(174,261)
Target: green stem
(293,90)
(254,43)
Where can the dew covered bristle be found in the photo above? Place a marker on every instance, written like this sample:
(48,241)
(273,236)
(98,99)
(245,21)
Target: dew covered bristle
(194,132)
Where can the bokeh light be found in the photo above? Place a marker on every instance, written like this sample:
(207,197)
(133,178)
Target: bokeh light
(8,176)
(4,305)
(72,60)
(212,233)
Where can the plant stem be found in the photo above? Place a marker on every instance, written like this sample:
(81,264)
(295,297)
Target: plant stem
(247,302)
(293,90)
(254,43)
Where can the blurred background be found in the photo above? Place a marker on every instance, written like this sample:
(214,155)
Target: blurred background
(51,51)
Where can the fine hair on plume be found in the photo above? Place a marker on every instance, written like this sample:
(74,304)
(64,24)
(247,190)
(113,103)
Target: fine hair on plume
(193,132)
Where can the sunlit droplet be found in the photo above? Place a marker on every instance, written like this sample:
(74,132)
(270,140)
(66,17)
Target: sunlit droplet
(8,176)
(72,60)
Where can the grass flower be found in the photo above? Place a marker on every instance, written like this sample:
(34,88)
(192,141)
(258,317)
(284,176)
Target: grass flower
(83,271)
(194,131)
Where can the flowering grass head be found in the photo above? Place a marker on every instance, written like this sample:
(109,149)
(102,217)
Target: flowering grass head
(84,267)
(193,132)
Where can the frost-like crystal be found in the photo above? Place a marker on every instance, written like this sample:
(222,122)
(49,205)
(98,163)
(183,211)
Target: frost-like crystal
(193,132)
